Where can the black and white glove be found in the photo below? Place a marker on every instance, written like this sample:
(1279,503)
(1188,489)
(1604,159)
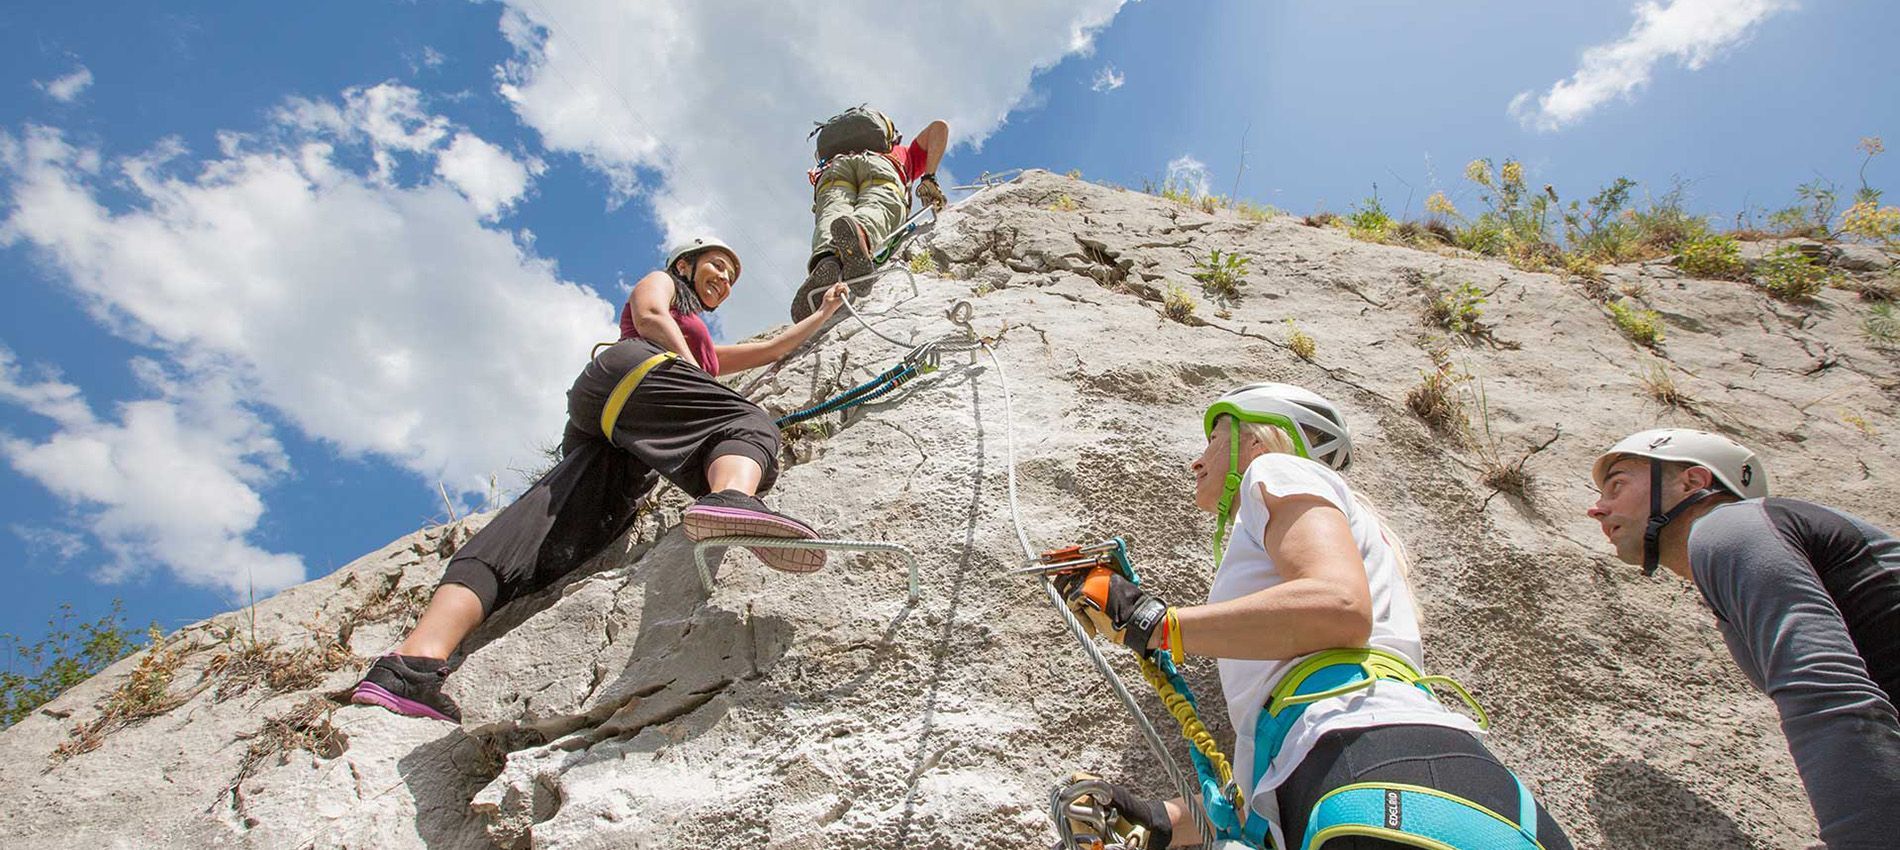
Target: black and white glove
(1113,607)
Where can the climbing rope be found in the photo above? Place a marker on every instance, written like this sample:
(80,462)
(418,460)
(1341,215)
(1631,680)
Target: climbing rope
(1188,793)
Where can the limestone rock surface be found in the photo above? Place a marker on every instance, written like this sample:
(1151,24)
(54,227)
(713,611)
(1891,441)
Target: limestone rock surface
(627,708)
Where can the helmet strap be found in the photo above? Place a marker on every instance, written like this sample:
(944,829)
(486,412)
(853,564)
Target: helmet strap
(1652,532)
(1229,489)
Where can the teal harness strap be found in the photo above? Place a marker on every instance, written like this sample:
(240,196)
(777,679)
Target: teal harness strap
(1418,817)
(1272,726)
(1411,815)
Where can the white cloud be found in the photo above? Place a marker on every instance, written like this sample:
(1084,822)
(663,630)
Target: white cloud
(490,178)
(63,545)
(1693,32)
(430,58)
(1187,174)
(360,299)
(1107,79)
(174,481)
(67,89)
(676,88)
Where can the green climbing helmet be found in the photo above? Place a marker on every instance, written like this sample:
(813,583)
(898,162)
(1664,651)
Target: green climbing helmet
(1317,430)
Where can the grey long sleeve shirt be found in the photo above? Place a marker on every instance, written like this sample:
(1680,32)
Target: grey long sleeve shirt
(1808,600)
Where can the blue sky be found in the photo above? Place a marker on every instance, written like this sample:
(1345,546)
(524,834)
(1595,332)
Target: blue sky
(273,274)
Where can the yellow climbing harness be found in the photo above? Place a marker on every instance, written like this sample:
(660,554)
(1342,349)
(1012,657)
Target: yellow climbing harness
(618,398)
(1375,664)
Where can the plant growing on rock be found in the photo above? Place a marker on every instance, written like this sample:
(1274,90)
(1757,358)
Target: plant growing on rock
(1177,304)
(1790,275)
(1858,422)
(69,654)
(1597,232)
(1659,383)
(1495,472)
(1665,224)
(1643,327)
(1881,326)
(1300,342)
(1369,221)
(1867,219)
(1711,256)
(923,262)
(145,693)
(1256,212)
(1062,203)
(246,662)
(1436,399)
(1812,214)
(1517,225)
(1220,274)
(1870,221)
(1458,310)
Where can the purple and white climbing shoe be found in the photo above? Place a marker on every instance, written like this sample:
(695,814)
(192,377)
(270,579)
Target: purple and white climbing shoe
(730,513)
(408,685)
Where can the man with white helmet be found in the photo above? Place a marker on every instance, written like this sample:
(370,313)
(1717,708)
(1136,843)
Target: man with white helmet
(1806,597)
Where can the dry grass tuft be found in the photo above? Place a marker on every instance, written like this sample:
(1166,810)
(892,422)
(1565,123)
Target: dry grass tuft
(244,664)
(1659,383)
(306,726)
(1436,400)
(1300,342)
(1177,304)
(146,693)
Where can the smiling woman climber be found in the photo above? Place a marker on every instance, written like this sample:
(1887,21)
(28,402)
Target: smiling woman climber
(647,407)
(1318,645)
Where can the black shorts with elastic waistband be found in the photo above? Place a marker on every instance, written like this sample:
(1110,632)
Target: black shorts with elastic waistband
(1437,757)
(677,421)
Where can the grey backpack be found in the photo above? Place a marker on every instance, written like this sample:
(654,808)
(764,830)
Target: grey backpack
(855,130)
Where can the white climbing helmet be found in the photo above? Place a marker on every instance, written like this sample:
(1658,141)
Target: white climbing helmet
(702,242)
(1318,429)
(1734,465)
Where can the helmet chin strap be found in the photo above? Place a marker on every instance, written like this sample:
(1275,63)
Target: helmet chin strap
(1652,532)
(1228,490)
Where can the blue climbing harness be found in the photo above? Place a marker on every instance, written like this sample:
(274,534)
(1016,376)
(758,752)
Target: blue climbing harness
(1404,814)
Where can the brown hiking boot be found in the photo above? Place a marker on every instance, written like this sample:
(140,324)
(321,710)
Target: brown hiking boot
(853,248)
(824,273)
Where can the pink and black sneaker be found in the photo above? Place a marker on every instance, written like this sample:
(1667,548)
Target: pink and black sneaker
(408,685)
(730,513)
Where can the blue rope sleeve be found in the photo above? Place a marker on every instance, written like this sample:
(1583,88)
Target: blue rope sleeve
(891,379)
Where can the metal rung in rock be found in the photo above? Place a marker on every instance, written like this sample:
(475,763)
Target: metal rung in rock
(705,574)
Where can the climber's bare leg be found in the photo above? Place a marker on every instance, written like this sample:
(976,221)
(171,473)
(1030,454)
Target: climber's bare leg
(734,472)
(453,612)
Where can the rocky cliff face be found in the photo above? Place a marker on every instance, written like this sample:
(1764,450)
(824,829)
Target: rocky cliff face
(626,708)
